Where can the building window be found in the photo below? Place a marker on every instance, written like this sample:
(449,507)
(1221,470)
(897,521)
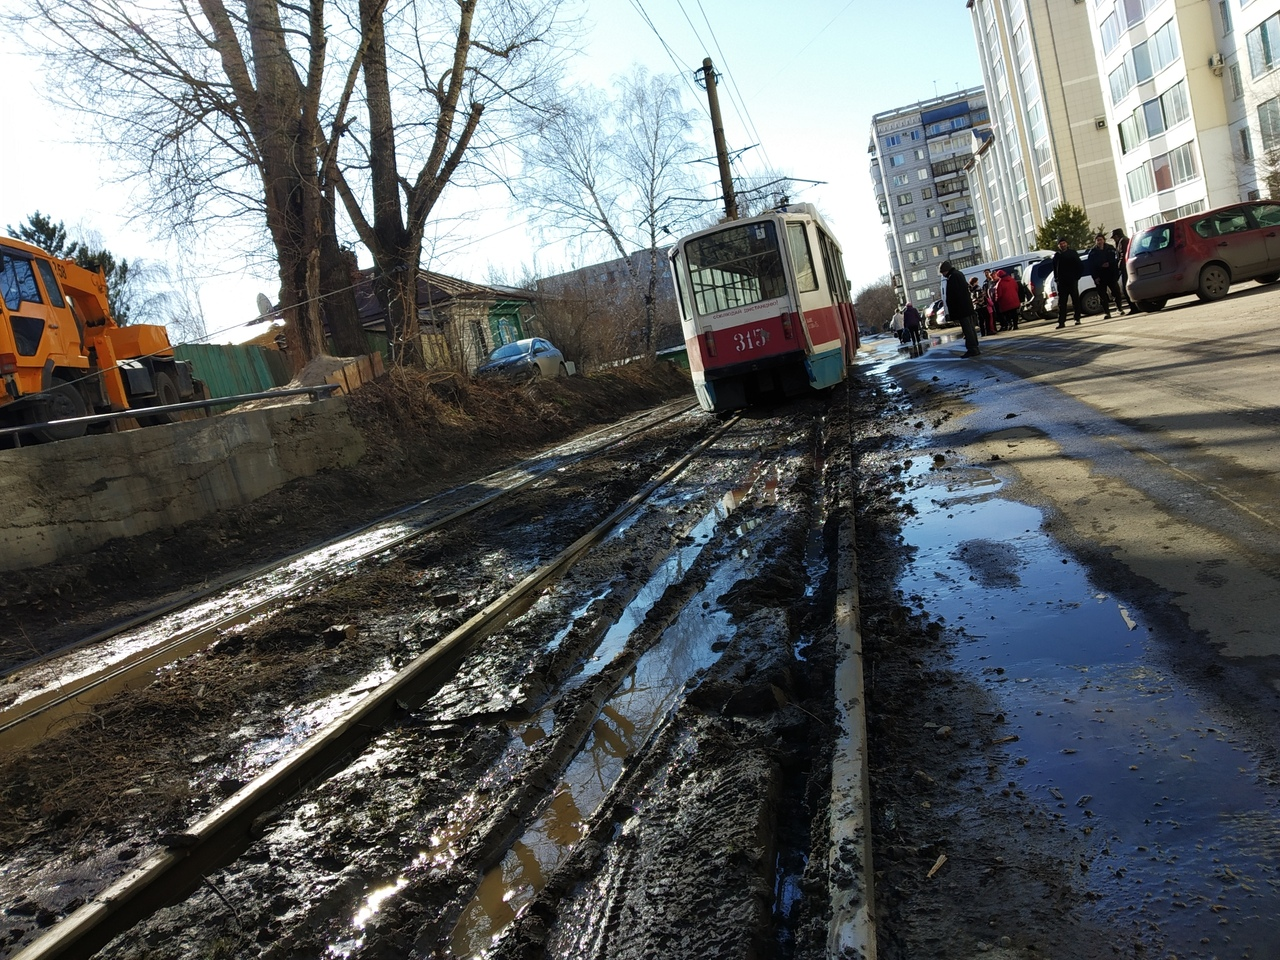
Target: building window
(1121,80)
(912,236)
(908,217)
(897,159)
(1269,121)
(893,140)
(1182,164)
(1139,183)
(1224,12)
(922,173)
(919,276)
(1246,144)
(926,193)
(1237,85)
(1110,33)
(904,199)
(1264,45)
(901,179)
(935,231)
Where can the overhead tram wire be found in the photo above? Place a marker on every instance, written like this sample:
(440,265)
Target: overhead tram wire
(735,97)
(685,71)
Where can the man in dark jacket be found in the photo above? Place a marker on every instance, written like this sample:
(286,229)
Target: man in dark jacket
(1066,273)
(1102,266)
(960,306)
(1122,254)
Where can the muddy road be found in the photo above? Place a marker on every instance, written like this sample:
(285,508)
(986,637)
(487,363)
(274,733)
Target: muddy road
(1064,760)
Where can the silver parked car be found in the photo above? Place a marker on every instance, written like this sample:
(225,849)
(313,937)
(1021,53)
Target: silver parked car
(525,359)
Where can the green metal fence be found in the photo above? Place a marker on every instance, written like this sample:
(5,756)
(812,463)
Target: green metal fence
(231,369)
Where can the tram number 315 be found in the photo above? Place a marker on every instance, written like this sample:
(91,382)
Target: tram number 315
(750,339)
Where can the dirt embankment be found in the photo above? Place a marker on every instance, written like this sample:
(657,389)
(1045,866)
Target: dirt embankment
(424,433)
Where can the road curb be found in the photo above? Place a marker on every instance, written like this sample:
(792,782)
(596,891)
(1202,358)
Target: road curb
(851,933)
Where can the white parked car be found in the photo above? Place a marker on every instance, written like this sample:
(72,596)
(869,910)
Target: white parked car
(525,360)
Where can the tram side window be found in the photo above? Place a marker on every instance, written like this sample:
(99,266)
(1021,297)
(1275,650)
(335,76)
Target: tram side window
(735,267)
(801,258)
(17,282)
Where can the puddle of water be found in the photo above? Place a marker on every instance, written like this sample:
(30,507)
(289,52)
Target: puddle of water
(1109,740)
(633,713)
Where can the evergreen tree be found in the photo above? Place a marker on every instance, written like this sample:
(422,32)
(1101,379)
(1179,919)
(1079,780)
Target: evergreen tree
(41,231)
(1068,221)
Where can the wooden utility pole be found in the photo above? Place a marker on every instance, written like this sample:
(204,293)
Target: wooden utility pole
(722,152)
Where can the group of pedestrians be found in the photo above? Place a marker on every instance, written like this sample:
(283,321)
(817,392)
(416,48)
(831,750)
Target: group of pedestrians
(908,326)
(1104,264)
(995,304)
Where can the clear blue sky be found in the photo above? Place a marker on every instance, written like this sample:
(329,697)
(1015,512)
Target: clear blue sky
(800,79)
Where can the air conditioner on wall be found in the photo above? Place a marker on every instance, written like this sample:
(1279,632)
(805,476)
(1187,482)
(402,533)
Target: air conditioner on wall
(1215,64)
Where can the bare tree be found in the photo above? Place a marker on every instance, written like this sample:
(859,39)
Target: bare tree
(439,92)
(876,303)
(219,108)
(617,170)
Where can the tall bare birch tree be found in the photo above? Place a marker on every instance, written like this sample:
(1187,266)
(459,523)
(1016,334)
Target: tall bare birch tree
(618,170)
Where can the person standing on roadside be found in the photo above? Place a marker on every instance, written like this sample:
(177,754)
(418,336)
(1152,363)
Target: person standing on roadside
(955,292)
(1121,243)
(1066,274)
(1008,300)
(1101,264)
(911,324)
(981,307)
(895,325)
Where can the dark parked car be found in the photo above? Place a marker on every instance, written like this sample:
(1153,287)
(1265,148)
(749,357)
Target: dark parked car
(525,360)
(1205,253)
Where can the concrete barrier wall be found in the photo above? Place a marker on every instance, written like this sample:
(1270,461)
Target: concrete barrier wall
(60,499)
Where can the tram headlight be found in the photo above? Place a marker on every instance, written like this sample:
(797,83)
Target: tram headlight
(709,337)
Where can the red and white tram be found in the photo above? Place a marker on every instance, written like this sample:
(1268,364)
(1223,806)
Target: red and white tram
(765,307)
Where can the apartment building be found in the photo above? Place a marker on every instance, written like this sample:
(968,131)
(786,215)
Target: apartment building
(918,158)
(1050,135)
(1192,100)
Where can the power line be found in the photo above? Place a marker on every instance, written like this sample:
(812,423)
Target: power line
(684,70)
(739,104)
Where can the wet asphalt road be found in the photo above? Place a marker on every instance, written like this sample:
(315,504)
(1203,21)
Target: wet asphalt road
(1102,529)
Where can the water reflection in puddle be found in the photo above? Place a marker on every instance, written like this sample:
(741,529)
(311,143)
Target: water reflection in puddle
(648,694)
(1109,739)
(635,710)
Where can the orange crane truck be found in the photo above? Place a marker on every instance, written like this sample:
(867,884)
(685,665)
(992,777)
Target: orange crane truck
(62,355)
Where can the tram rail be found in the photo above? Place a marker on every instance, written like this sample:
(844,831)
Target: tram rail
(228,829)
(29,714)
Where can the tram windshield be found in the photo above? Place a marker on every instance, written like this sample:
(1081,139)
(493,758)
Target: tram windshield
(735,267)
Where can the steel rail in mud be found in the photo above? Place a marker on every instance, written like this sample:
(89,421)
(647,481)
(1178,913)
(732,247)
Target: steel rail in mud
(29,721)
(233,826)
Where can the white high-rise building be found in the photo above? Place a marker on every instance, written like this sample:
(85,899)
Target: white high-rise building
(1050,139)
(918,158)
(1192,101)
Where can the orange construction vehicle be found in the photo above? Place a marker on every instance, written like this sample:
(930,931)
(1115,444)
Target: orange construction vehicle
(63,356)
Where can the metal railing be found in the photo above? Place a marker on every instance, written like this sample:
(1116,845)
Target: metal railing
(318,392)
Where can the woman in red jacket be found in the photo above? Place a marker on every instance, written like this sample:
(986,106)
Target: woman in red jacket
(1008,300)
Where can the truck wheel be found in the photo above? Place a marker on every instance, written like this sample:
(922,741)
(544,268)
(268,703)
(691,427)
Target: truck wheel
(62,402)
(166,393)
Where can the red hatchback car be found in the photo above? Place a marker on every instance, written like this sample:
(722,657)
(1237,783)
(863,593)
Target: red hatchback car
(1205,253)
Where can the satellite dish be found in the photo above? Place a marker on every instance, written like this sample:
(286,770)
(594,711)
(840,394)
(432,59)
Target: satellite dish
(264,306)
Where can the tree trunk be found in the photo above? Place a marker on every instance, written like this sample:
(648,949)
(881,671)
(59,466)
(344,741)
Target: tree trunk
(338,275)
